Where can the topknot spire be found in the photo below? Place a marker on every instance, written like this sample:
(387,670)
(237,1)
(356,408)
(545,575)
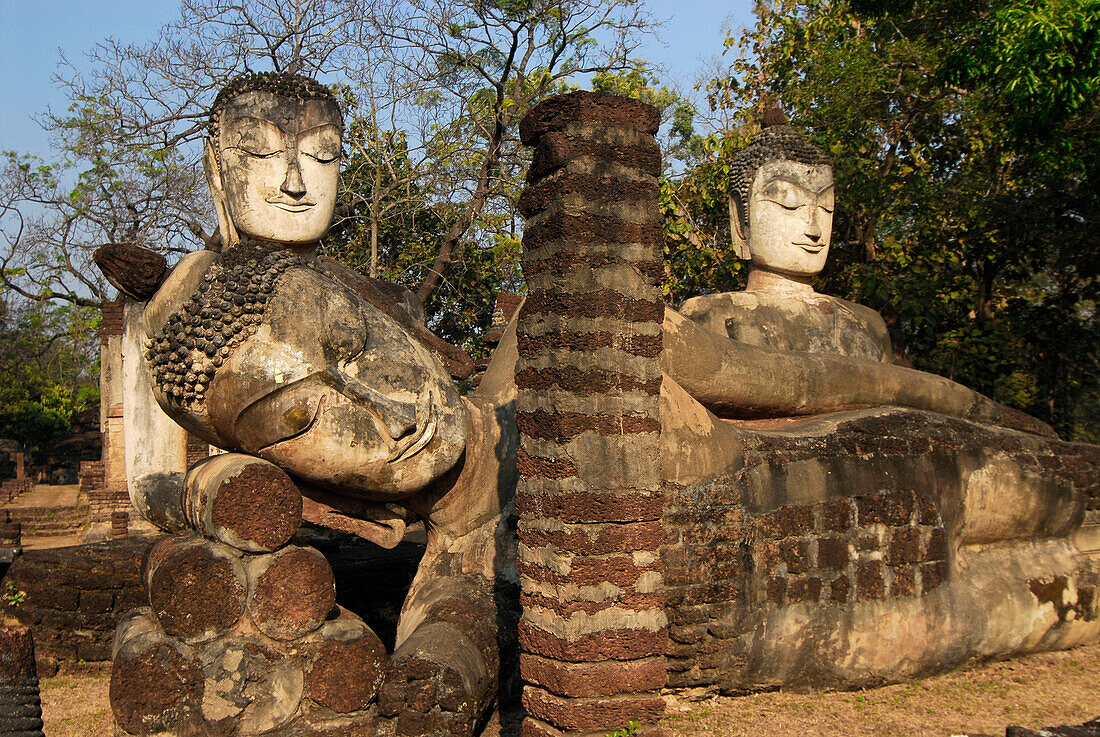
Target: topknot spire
(773,116)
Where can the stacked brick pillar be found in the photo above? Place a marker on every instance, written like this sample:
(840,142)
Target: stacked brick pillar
(589,501)
(111,397)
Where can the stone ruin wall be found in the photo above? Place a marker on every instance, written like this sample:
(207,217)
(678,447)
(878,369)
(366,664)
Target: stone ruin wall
(74,598)
(735,552)
(589,501)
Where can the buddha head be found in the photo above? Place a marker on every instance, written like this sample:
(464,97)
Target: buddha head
(273,158)
(781,201)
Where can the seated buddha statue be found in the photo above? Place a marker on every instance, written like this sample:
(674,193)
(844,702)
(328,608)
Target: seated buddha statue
(791,351)
(268,349)
(781,202)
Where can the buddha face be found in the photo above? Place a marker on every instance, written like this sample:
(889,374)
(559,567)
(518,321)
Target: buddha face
(790,217)
(279,160)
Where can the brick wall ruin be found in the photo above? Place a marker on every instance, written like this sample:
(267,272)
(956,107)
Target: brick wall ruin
(887,526)
(74,598)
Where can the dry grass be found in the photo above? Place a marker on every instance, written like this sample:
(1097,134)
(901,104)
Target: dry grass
(1036,691)
(75,705)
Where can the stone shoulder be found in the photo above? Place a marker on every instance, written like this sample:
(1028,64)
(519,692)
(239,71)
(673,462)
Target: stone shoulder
(712,310)
(818,323)
(181,282)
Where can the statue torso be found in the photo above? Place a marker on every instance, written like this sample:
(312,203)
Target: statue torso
(814,323)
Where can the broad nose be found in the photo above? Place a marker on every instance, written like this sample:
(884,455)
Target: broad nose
(293,184)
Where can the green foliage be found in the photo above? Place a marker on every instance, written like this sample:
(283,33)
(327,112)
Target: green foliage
(48,360)
(12,596)
(1043,58)
(964,137)
(631,728)
(697,246)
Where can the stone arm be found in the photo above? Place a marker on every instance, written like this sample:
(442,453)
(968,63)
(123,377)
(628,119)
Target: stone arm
(403,306)
(735,380)
(443,672)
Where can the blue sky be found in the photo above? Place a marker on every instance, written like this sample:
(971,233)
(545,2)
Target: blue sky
(33,31)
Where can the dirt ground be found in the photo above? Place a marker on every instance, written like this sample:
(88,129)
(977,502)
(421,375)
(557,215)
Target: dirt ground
(1036,691)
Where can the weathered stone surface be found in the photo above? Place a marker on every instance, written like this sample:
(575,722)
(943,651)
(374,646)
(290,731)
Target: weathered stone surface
(197,588)
(557,149)
(436,683)
(20,706)
(244,502)
(290,592)
(588,414)
(592,507)
(250,686)
(594,539)
(133,270)
(566,111)
(617,644)
(594,679)
(347,666)
(403,306)
(263,348)
(593,714)
(858,545)
(156,681)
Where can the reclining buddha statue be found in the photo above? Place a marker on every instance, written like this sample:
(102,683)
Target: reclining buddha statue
(890,522)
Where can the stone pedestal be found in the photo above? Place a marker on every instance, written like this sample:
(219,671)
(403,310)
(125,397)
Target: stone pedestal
(242,634)
(589,500)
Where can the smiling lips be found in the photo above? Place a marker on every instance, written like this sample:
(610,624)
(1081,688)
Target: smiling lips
(292,205)
(811,247)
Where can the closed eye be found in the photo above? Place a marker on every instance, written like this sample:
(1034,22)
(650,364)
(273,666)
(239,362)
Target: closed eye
(258,154)
(788,203)
(323,157)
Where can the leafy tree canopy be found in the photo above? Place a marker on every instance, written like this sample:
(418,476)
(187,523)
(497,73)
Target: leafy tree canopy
(48,360)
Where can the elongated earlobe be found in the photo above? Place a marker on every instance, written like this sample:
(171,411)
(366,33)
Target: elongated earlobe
(217,190)
(738,230)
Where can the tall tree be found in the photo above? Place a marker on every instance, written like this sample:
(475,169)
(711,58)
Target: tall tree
(450,77)
(48,360)
(489,61)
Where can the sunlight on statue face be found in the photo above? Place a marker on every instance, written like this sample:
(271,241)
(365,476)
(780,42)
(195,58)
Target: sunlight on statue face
(791,217)
(280,161)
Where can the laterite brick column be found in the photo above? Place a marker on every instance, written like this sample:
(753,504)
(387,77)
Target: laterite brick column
(111,397)
(589,501)
(20,706)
